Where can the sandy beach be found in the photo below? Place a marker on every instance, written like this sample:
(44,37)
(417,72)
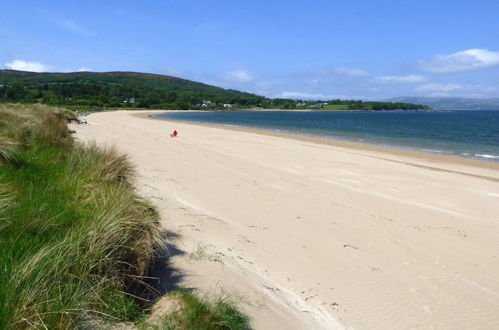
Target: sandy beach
(315,234)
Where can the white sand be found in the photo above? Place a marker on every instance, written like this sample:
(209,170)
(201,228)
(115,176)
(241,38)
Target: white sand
(318,235)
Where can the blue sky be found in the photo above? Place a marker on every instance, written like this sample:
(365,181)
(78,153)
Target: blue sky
(299,49)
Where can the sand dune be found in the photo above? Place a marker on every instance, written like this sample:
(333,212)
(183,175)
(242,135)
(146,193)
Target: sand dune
(318,234)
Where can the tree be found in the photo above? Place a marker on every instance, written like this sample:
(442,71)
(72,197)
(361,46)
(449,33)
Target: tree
(171,97)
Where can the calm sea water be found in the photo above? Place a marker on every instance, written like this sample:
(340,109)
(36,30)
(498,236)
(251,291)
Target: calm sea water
(472,134)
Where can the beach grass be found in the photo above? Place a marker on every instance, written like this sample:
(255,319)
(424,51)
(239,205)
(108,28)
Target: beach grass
(75,236)
(192,312)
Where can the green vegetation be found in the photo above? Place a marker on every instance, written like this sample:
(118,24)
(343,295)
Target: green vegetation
(74,234)
(117,89)
(139,90)
(362,105)
(194,313)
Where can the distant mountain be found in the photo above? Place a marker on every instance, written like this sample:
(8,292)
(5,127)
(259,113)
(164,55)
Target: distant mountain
(451,103)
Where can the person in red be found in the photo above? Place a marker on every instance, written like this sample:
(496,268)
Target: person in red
(174,134)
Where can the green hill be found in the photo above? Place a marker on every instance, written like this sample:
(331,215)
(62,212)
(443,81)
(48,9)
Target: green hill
(116,89)
(145,90)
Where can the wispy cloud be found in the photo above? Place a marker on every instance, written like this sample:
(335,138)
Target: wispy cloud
(466,60)
(171,71)
(454,89)
(300,95)
(338,71)
(439,88)
(238,76)
(74,27)
(355,73)
(308,96)
(408,79)
(21,65)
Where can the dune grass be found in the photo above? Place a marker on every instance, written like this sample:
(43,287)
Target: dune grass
(193,312)
(73,232)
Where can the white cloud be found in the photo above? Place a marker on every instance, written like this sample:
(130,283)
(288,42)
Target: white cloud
(83,69)
(74,27)
(439,88)
(238,76)
(459,90)
(409,79)
(300,95)
(314,83)
(21,65)
(308,96)
(355,73)
(346,72)
(171,71)
(466,60)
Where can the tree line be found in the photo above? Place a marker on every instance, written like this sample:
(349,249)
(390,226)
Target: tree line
(135,90)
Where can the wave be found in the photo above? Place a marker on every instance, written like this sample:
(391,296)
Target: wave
(487,156)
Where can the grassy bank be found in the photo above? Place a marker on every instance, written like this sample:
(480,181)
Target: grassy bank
(74,234)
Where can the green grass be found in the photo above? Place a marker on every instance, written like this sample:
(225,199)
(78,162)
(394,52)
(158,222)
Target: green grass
(200,314)
(74,234)
(335,107)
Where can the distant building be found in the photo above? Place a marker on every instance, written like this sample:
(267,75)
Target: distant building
(129,100)
(227,105)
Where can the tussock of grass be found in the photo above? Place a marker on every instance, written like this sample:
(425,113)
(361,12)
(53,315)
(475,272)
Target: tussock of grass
(192,312)
(54,130)
(202,253)
(73,233)
(6,201)
(107,164)
(35,123)
(7,148)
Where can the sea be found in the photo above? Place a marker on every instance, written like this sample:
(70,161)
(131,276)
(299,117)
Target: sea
(464,133)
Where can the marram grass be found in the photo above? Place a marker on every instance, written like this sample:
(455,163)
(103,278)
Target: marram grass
(73,232)
(187,311)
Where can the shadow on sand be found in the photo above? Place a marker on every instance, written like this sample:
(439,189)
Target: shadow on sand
(162,277)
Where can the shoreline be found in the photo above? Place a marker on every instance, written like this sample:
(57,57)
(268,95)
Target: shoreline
(318,236)
(391,150)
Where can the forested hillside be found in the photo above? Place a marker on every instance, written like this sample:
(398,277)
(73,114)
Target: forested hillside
(116,89)
(143,90)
